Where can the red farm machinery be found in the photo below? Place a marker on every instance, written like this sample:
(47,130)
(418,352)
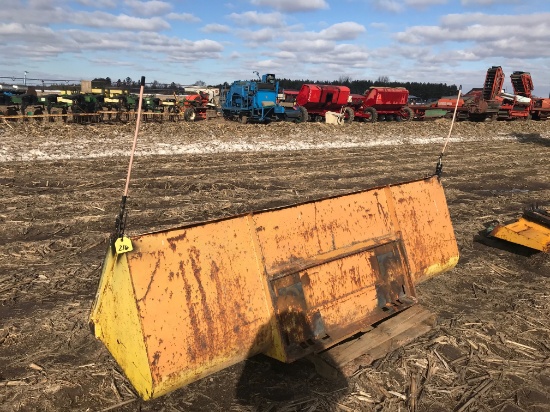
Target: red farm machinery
(317,100)
(478,104)
(382,103)
(522,104)
(197,105)
(378,103)
(492,103)
(484,104)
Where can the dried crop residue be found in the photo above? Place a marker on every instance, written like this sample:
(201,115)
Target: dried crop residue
(60,189)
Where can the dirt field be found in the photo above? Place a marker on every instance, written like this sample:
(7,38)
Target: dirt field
(60,188)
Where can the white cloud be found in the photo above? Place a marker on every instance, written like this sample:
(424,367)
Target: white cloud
(40,15)
(379,26)
(269,65)
(342,31)
(79,41)
(97,19)
(102,4)
(422,4)
(148,8)
(290,6)
(7,29)
(398,6)
(258,36)
(480,27)
(100,19)
(487,2)
(31,39)
(486,36)
(393,6)
(111,62)
(488,20)
(303,46)
(285,55)
(253,18)
(304,49)
(216,28)
(187,17)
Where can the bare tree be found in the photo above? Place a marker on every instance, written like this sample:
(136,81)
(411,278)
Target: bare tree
(344,79)
(383,79)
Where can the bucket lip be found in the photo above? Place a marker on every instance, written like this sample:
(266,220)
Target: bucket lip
(261,211)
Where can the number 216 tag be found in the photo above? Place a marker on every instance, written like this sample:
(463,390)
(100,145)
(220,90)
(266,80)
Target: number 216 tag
(123,245)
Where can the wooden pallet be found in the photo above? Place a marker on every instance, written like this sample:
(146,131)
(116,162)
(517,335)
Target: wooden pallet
(395,332)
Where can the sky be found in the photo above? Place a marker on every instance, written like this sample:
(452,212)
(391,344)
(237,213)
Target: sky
(184,41)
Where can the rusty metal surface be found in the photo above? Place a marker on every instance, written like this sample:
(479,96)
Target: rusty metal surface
(200,297)
(425,223)
(285,282)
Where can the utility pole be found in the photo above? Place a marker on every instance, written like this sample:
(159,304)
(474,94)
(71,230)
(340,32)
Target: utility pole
(25,78)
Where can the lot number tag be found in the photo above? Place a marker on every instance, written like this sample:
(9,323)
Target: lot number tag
(123,245)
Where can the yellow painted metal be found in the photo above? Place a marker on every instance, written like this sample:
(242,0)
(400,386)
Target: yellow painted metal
(115,318)
(111,100)
(190,301)
(526,233)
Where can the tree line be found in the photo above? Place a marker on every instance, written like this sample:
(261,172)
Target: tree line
(423,91)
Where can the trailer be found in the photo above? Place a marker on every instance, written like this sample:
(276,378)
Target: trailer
(316,100)
(382,103)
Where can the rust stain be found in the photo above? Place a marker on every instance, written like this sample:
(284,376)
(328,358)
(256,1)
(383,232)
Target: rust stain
(157,266)
(214,271)
(155,370)
(203,336)
(173,241)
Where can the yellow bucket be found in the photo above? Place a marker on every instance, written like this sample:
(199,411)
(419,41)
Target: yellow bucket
(190,301)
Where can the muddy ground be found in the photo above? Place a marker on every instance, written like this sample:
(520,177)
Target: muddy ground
(60,188)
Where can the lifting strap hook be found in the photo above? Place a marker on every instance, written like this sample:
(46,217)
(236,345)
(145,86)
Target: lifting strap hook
(439,166)
(120,222)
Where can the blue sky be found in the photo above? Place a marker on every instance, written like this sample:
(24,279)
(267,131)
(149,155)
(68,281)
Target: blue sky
(448,41)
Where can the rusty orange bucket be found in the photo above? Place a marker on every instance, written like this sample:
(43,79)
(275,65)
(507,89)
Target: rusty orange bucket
(190,301)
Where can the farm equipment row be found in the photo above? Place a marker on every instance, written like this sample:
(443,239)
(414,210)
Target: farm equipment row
(26,104)
(262,101)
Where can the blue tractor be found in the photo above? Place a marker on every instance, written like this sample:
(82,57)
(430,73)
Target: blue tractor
(256,101)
